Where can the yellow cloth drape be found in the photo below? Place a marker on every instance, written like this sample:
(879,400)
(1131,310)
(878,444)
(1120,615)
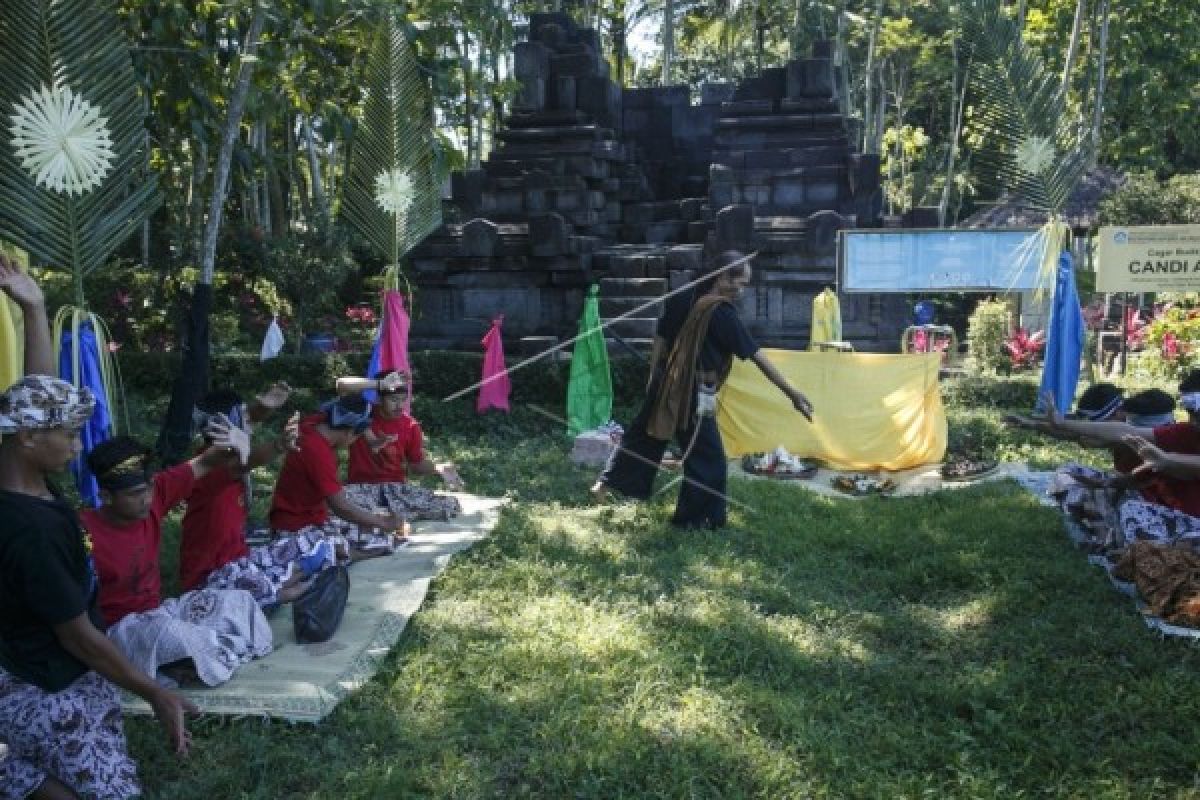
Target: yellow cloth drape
(871,410)
(12,330)
(826,319)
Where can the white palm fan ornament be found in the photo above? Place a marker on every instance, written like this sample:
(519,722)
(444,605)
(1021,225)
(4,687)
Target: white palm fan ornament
(61,140)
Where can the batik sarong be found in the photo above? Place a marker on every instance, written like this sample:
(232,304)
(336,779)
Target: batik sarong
(269,567)
(410,501)
(74,736)
(1095,509)
(217,630)
(1151,522)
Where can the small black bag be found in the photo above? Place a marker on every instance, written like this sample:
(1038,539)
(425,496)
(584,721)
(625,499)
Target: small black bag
(317,613)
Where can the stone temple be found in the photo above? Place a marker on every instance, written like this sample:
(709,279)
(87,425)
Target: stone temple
(591,183)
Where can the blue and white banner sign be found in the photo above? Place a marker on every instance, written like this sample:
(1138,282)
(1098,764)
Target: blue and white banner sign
(1001,260)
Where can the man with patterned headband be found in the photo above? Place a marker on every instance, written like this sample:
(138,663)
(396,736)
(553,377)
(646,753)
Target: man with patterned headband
(310,505)
(60,715)
(214,527)
(203,635)
(382,459)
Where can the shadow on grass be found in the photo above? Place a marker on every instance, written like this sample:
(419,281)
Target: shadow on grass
(952,645)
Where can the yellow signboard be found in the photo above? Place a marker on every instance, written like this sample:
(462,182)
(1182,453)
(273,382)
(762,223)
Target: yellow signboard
(1149,258)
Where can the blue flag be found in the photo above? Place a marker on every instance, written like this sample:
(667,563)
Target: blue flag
(99,427)
(1064,339)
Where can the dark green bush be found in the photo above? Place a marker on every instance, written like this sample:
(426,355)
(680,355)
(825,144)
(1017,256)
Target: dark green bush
(987,391)
(435,374)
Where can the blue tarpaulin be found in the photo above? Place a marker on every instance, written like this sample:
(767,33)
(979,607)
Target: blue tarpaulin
(1064,338)
(99,427)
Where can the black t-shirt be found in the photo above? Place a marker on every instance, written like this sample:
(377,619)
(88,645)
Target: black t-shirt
(46,579)
(726,336)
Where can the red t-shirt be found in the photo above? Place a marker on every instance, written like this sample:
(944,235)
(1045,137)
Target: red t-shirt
(1182,495)
(389,465)
(127,555)
(308,478)
(214,527)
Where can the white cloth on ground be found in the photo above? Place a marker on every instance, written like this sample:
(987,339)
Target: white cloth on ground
(217,630)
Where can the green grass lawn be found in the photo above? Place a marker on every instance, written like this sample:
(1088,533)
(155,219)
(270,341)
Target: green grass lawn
(953,645)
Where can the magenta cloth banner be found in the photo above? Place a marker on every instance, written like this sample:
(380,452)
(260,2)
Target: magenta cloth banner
(393,341)
(495,388)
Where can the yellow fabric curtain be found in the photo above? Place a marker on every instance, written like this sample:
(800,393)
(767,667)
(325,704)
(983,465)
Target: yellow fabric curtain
(871,410)
(826,319)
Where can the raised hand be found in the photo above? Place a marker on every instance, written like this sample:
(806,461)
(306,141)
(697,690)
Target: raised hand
(274,397)
(1053,417)
(19,285)
(393,382)
(1154,459)
(226,435)
(291,433)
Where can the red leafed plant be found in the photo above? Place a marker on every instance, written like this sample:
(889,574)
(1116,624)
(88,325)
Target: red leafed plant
(1024,348)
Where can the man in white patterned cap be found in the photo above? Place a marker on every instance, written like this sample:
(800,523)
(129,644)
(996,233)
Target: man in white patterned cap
(60,717)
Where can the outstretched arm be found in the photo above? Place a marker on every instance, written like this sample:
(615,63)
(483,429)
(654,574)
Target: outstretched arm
(799,401)
(445,470)
(80,638)
(350,385)
(25,292)
(350,511)
(1104,434)
(1155,459)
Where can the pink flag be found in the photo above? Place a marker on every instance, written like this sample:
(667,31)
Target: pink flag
(393,339)
(493,392)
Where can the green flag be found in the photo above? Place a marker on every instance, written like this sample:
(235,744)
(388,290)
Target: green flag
(589,391)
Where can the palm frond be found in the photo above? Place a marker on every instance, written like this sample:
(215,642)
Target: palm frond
(76,44)
(1036,151)
(394,136)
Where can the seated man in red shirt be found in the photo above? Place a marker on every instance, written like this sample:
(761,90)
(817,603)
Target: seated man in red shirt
(214,527)
(391,449)
(310,510)
(215,630)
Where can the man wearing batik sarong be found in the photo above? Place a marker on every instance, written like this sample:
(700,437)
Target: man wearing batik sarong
(310,510)
(390,450)
(203,635)
(213,552)
(60,715)
(1171,453)
(1093,497)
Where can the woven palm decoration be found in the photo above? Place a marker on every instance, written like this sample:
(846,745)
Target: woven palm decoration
(74,183)
(1038,149)
(392,194)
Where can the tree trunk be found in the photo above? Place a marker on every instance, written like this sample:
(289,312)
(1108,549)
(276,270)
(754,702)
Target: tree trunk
(192,380)
(1073,47)
(868,78)
(233,122)
(1098,109)
(668,37)
(320,205)
(956,117)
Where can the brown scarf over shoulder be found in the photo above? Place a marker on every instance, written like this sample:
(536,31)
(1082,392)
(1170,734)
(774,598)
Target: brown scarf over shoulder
(678,387)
